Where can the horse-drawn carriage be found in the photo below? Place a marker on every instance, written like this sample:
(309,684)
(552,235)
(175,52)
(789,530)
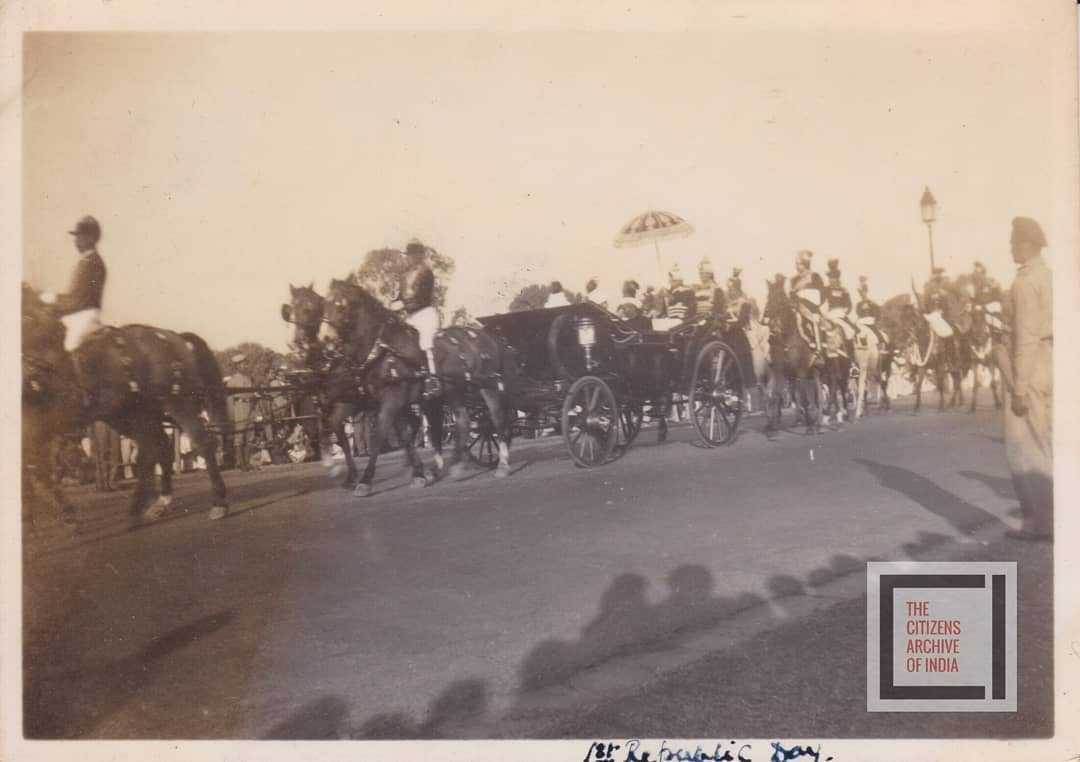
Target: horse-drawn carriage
(592,376)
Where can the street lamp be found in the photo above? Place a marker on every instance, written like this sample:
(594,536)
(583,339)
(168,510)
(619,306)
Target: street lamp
(928,208)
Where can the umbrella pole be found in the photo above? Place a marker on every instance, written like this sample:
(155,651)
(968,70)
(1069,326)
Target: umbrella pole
(659,266)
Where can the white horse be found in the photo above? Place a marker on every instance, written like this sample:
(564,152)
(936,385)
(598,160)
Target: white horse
(868,363)
(757,333)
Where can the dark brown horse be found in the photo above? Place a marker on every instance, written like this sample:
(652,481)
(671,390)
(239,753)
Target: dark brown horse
(792,362)
(337,390)
(381,355)
(929,353)
(133,378)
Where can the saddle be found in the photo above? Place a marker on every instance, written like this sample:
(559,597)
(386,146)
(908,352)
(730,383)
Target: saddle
(939,325)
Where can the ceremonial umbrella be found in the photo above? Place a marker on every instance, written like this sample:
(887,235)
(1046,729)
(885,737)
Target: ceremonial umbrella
(653,226)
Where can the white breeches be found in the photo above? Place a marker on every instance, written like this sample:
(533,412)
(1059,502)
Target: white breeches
(426,323)
(79,325)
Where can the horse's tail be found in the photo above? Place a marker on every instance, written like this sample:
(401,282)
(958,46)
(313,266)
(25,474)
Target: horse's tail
(213,382)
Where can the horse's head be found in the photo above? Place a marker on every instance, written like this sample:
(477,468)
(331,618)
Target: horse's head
(43,354)
(305,312)
(352,314)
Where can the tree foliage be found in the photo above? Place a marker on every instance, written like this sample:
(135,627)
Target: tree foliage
(256,362)
(382,270)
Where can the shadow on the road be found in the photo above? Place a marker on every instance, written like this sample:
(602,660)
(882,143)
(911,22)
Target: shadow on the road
(448,715)
(957,511)
(1000,486)
(73,703)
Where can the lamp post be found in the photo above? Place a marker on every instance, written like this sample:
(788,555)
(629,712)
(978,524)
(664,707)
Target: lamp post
(928,208)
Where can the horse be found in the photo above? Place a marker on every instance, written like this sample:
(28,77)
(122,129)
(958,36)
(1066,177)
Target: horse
(305,311)
(132,378)
(873,363)
(757,334)
(837,373)
(928,352)
(792,361)
(987,332)
(380,353)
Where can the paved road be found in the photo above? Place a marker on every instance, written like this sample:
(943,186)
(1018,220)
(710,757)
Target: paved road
(556,603)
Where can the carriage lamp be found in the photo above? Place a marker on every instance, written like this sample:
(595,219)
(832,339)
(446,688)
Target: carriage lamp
(586,334)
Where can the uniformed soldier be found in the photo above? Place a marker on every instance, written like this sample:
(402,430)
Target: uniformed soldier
(808,291)
(680,297)
(868,313)
(80,308)
(838,304)
(417,299)
(936,303)
(556,296)
(987,296)
(709,298)
(1029,419)
(629,307)
(738,305)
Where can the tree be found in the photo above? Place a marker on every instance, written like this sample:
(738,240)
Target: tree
(252,359)
(382,270)
(532,297)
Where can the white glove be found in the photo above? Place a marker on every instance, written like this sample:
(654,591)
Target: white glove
(48,297)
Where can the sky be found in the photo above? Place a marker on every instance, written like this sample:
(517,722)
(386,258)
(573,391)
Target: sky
(225,166)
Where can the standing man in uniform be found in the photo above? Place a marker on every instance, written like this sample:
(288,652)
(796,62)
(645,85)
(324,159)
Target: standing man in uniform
(1029,419)
(868,313)
(80,308)
(709,298)
(738,306)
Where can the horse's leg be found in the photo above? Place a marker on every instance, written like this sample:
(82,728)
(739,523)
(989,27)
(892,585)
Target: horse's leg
(817,429)
(920,374)
(146,439)
(205,444)
(455,397)
(390,403)
(500,425)
(974,387)
(994,385)
(408,427)
(433,412)
(164,459)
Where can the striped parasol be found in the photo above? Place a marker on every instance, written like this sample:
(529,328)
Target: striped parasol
(653,226)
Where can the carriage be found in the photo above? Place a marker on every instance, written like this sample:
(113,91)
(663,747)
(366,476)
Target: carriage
(592,377)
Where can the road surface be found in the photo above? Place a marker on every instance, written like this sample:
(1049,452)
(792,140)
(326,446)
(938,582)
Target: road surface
(678,591)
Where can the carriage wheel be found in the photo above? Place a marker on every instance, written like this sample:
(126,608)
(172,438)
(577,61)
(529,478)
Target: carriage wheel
(630,416)
(590,421)
(482,446)
(716,394)
(449,426)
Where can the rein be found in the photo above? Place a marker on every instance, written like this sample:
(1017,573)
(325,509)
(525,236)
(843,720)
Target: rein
(918,359)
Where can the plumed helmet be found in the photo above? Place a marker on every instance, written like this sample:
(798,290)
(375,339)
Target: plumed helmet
(87,226)
(736,277)
(834,268)
(804,257)
(864,284)
(705,266)
(980,267)
(414,247)
(1027,230)
(778,280)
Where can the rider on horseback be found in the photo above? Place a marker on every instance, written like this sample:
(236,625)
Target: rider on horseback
(868,313)
(936,304)
(987,296)
(807,289)
(417,299)
(80,309)
(838,303)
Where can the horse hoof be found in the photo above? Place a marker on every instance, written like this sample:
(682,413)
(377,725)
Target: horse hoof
(457,471)
(418,482)
(218,512)
(502,471)
(430,477)
(439,463)
(362,490)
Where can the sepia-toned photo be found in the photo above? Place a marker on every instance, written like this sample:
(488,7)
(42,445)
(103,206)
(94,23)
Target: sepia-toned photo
(638,377)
